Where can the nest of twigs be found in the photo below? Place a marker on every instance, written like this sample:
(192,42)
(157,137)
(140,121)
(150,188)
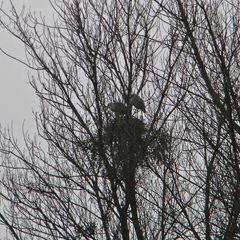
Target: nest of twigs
(124,140)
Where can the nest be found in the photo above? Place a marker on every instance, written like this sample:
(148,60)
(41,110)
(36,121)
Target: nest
(127,150)
(124,139)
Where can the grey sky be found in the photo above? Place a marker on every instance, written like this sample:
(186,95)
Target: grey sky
(17,99)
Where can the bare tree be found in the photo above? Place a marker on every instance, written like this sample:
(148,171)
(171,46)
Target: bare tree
(140,115)
(207,47)
(104,174)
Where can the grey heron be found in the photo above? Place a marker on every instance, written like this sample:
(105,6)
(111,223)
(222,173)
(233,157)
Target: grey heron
(117,107)
(137,102)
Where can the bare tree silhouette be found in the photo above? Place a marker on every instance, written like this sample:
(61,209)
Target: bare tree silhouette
(109,170)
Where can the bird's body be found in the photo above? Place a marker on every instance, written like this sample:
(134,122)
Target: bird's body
(117,107)
(137,102)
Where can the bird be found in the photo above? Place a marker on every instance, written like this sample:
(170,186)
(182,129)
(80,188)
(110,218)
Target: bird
(117,107)
(137,102)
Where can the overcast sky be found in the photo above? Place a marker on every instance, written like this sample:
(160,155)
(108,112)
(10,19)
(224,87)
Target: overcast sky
(17,98)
